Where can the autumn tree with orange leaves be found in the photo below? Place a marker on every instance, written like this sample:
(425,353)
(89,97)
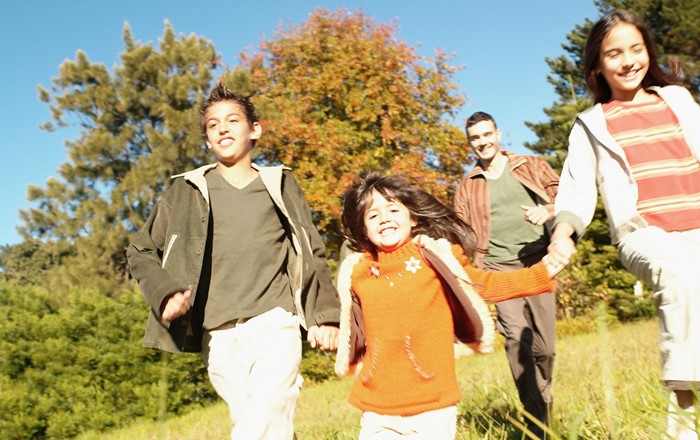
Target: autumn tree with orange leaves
(340,94)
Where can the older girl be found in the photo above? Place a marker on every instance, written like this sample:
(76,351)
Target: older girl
(639,145)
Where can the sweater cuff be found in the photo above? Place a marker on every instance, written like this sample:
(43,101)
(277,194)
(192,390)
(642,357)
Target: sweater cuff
(543,279)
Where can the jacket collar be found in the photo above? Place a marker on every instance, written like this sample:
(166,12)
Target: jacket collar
(272,179)
(196,177)
(515,161)
(270,176)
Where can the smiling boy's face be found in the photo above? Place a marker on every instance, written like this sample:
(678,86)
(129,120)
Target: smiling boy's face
(228,133)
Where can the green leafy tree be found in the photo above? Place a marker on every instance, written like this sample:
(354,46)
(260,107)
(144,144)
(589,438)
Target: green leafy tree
(138,124)
(340,94)
(74,362)
(596,272)
(27,262)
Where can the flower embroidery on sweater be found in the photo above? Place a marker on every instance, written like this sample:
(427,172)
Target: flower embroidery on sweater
(412,265)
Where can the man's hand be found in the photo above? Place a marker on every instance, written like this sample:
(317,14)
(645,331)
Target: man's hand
(537,215)
(175,305)
(324,337)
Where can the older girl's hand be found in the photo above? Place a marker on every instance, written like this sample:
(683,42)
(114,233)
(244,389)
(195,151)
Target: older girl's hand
(560,251)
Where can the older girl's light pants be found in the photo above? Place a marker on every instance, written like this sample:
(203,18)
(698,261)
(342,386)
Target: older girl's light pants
(669,262)
(254,366)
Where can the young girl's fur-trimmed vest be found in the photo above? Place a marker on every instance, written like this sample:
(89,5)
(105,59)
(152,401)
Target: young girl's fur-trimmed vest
(471,320)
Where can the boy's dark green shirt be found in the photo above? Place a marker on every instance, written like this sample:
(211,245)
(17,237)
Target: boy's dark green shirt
(249,253)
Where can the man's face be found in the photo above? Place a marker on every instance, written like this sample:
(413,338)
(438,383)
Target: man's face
(485,140)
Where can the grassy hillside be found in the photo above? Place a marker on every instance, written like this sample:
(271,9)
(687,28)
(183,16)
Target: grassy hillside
(606,386)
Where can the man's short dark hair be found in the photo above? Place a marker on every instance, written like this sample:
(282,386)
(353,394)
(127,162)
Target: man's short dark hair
(477,117)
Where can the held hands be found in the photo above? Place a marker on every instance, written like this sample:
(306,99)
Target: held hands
(175,305)
(552,268)
(537,215)
(559,252)
(324,337)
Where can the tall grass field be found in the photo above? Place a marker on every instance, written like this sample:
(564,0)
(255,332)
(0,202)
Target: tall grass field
(607,386)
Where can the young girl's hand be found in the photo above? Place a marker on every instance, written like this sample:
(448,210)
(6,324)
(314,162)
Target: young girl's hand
(560,250)
(553,268)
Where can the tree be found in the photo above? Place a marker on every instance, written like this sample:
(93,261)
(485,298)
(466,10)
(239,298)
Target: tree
(596,271)
(340,94)
(137,126)
(74,362)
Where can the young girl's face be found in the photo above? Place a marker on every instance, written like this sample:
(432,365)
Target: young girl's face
(388,223)
(624,61)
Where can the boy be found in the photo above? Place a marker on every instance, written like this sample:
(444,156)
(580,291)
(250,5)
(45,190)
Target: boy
(231,264)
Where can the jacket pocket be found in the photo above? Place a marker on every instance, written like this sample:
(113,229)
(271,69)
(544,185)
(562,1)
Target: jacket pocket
(171,243)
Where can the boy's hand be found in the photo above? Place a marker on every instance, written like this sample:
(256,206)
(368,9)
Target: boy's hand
(175,305)
(324,337)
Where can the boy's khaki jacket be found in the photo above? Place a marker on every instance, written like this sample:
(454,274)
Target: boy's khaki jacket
(473,322)
(169,253)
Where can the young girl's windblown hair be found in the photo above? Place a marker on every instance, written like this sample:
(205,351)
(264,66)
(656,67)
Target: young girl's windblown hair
(432,217)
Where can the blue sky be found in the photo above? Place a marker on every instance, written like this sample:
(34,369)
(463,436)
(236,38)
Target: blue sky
(501,44)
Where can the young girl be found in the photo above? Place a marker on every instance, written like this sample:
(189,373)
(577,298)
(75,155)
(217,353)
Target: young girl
(406,293)
(639,144)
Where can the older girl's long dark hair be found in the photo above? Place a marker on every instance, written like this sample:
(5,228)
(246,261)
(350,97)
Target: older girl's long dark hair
(432,217)
(656,76)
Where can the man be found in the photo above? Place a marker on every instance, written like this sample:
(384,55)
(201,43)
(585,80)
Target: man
(507,199)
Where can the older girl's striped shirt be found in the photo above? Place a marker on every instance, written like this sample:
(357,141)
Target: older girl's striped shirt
(665,170)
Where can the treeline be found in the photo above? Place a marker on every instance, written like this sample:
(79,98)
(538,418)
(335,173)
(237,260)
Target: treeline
(337,94)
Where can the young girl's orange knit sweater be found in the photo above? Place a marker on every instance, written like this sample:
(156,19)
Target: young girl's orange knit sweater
(408,367)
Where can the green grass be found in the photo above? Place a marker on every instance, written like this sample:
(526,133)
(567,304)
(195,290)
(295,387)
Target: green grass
(606,387)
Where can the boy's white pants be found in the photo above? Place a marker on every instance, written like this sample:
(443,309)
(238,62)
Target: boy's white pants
(254,366)
(440,424)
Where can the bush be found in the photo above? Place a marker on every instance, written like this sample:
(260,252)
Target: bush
(82,367)
(316,365)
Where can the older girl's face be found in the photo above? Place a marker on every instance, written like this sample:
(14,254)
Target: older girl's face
(388,223)
(624,61)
